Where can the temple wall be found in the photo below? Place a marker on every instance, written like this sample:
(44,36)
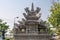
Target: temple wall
(32,37)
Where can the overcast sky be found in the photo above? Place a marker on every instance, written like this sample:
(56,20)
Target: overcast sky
(9,9)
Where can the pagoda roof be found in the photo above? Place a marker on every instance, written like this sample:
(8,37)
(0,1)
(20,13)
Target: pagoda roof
(31,14)
(21,26)
(31,22)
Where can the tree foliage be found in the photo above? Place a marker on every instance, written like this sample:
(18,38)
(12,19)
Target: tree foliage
(3,25)
(54,18)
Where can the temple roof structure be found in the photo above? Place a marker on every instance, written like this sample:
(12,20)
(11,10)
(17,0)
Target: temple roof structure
(32,14)
(31,28)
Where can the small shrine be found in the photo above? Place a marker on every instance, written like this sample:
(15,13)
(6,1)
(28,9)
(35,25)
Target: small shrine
(31,28)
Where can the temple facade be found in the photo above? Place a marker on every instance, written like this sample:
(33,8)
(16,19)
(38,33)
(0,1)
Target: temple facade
(31,27)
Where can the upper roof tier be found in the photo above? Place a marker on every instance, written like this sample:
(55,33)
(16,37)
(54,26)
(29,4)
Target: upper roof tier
(32,14)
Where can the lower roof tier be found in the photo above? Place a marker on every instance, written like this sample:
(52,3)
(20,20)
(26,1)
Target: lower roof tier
(31,22)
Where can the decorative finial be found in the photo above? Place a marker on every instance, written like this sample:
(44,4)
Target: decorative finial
(32,7)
